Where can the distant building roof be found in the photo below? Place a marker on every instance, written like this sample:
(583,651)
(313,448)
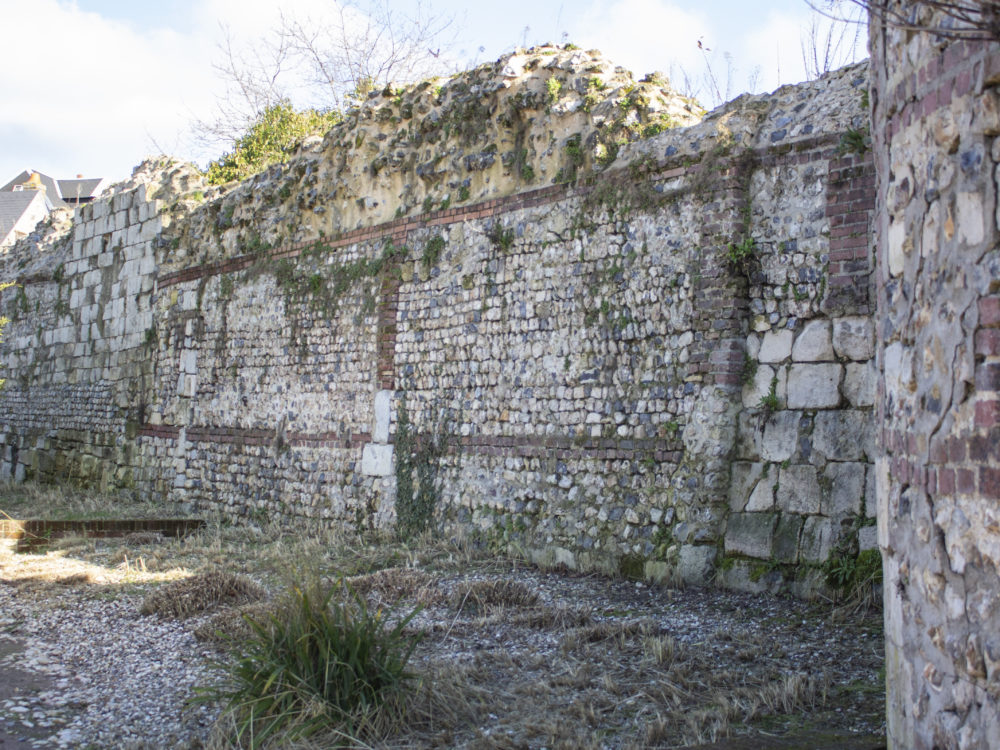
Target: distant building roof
(51,187)
(61,192)
(24,208)
(86,189)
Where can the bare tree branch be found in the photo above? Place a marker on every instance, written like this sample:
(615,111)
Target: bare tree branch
(324,63)
(963,19)
(829,43)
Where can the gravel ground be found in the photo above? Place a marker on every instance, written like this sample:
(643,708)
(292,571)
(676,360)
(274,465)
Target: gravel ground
(576,661)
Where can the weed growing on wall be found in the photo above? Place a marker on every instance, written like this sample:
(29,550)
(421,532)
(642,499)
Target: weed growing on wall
(853,574)
(308,283)
(855,141)
(501,237)
(4,320)
(417,462)
(432,251)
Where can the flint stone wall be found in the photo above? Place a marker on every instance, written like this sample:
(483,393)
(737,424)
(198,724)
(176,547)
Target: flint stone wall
(936,120)
(585,360)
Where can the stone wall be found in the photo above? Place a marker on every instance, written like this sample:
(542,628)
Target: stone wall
(581,371)
(936,117)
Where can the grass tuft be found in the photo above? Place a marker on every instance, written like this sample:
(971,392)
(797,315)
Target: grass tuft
(324,663)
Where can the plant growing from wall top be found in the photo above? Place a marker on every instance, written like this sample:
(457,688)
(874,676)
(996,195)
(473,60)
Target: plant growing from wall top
(272,138)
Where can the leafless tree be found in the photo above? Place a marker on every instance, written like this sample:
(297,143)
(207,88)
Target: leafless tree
(366,45)
(253,77)
(829,41)
(958,19)
(325,63)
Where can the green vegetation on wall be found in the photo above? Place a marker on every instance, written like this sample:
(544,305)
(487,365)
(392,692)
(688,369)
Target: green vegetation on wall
(271,139)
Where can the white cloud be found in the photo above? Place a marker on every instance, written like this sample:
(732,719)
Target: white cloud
(644,35)
(93,86)
(776,45)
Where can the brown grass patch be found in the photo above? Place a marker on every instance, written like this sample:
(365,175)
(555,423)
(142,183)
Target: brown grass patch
(201,593)
(231,624)
(477,596)
(390,584)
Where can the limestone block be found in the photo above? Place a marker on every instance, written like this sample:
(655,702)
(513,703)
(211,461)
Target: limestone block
(798,489)
(750,534)
(814,386)
(786,538)
(854,337)
(867,538)
(871,499)
(844,489)
(762,497)
(745,476)
(814,343)
(776,346)
(781,436)
(760,386)
(748,436)
(860,383)
(841,435)
(817,539)
(697,563)
(376,460)
(383,410)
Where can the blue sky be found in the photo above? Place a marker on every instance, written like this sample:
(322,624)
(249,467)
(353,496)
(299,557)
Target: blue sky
(101,83)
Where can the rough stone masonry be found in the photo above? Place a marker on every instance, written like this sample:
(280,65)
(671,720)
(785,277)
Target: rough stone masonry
(558,306)
(936,122)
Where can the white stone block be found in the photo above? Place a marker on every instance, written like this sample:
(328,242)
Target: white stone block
(867,538)
(760,386)
(376,460)
(814,343)
(189,361)
(150,229)
(383,411)
(854,337)
(762,497)
(781,436)
(860,383)
(814,386)
(798,490)
(776,346)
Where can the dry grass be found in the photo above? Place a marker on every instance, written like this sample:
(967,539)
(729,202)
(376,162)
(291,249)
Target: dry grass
(513,657)
(497,593)
(231,623)
(65,502)
(202,593)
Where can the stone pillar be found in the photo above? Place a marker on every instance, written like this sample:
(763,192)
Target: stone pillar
(936,121)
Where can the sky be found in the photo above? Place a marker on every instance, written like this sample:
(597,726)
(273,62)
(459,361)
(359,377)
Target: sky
(91,87)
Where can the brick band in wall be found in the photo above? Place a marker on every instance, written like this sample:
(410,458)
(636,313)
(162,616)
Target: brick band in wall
(541,446)
(400,229)
(243,436)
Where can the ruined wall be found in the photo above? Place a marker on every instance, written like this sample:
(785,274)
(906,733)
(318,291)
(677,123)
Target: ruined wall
(569,369)
(936,118)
